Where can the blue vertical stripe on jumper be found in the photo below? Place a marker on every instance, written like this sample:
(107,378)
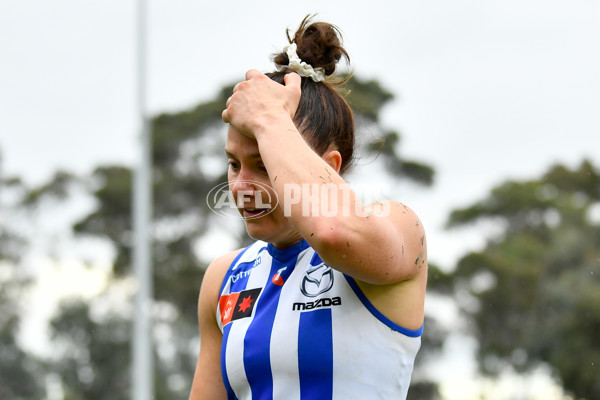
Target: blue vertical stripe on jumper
(257,342)
(315,355)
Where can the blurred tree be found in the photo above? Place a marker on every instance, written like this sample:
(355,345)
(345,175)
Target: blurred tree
(21,375)
(188,161)
(88,355)
(367,98)
(533,293)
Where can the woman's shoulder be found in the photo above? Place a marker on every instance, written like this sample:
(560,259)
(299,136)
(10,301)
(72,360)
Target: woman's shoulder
(217,269)
(213,278)
(409,223)
(408,226)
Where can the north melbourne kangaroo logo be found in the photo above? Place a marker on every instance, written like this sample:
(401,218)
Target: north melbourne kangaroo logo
(317,279)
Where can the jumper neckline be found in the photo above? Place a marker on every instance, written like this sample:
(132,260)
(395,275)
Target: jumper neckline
(284,255)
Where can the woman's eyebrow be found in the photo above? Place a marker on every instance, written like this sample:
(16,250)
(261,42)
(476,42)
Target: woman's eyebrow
(250,156)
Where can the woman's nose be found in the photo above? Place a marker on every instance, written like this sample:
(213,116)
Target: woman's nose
(242,183)
(243,191)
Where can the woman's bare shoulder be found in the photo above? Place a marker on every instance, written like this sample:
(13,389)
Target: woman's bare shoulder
(216,270)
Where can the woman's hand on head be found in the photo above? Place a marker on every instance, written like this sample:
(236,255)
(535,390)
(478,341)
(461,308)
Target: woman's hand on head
(259,100)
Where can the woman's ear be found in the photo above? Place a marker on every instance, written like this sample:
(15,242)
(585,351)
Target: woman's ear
(333,158)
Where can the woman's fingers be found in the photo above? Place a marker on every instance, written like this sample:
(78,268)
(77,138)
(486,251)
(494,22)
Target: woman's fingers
(293,84)
(225,116)
(225,113)
(252,73)
(292,81)
(250,96)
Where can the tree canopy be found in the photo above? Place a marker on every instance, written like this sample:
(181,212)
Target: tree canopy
(533,292)
(18,369)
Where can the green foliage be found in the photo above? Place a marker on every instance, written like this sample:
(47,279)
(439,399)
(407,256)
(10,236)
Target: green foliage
(424,391)
(387,146)
(12,242)
(533,293)
(439,281)
(20,373)
(92,358)
(366,98)
(56,188)
(111,188)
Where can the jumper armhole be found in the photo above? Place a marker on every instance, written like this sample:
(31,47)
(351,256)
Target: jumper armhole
(230,268)
(377,314)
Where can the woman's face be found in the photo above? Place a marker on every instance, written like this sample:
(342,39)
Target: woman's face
(251,188)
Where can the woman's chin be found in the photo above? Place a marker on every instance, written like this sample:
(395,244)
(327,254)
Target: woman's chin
(256,231)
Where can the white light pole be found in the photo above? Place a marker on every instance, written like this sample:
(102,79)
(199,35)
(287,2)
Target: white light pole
(142,365)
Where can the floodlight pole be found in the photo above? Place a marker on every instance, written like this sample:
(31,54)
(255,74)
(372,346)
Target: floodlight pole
(142,363)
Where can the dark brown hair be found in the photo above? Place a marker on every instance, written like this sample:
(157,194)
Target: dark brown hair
(323,115)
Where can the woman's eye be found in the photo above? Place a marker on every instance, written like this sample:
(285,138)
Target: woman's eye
(262,168)
(233,164)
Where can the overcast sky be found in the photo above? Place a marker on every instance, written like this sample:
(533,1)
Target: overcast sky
(485,90)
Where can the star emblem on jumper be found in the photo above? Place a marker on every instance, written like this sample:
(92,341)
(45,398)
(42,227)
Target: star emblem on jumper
(245,304)
(238,305)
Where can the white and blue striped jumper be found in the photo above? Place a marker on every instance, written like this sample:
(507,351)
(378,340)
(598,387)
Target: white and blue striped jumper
(295,329)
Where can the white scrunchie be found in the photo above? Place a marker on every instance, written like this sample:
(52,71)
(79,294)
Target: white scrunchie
(299,66)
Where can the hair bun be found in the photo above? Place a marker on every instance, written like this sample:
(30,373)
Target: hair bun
(318,44)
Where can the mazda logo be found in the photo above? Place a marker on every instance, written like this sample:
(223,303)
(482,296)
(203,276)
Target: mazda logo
(317,279)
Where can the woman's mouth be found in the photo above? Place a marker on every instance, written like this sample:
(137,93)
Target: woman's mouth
(250,213)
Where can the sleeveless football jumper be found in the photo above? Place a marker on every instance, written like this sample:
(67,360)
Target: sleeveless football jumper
(295,329)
